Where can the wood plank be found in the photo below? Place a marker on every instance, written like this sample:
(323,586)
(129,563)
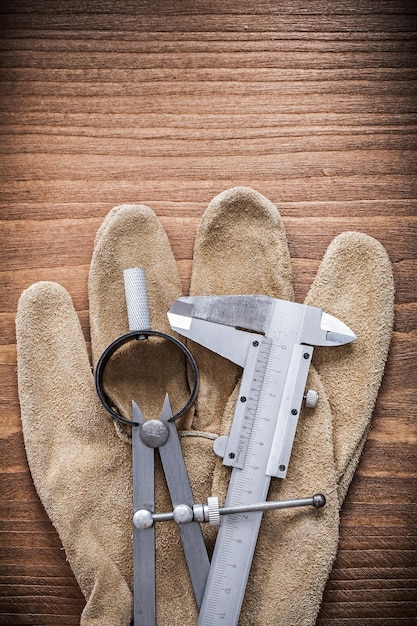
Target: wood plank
(117,190)
(323,21)
(177,208)
(300,165)
(385,138)
(55,57)
(254,104)
(177,124)
(70,242)
(168,104)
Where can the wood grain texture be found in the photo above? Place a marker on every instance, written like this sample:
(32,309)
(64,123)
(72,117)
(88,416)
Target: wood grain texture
(167,104)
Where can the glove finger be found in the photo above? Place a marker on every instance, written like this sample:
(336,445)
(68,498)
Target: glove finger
(295,553)
(132,236)
(240,248)
(68,440)
(354,283)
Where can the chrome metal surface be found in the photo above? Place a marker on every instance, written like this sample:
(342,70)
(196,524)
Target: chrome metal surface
(259,445)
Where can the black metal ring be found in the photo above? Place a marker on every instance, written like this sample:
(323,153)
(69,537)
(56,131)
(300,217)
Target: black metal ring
(137,335)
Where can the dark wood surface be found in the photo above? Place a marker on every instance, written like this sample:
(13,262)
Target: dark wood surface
(168,103)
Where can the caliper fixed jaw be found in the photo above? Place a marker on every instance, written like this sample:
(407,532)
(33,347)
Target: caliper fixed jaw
(247,312)
(221,323)
(259,314)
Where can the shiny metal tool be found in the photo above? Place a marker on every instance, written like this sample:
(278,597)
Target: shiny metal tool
(162,435)
(148,435)
(273,340)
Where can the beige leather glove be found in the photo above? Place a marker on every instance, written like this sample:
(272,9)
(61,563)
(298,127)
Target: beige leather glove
(81,467)
(241,248)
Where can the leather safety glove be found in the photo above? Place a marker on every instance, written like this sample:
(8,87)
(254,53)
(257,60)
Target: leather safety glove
(100,550)
(241,248)
(80,464)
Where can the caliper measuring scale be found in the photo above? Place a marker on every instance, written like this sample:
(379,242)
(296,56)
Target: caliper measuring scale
(230,568)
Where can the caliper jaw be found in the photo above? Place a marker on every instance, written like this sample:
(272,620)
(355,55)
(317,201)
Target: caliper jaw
(322,329)
(221,323)
(246,312)
(245,329)
(257,314)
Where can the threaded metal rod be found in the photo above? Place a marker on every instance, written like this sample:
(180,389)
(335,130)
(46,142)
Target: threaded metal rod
(318,500)
(200,512)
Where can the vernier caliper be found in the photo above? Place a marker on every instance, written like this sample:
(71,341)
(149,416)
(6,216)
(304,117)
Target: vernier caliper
(273,341)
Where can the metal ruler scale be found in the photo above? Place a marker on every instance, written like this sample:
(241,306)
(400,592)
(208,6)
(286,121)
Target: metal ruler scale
(234,446)
(238,533)
(262,432)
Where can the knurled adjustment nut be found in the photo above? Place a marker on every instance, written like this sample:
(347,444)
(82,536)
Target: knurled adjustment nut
(214,513)
(311,398)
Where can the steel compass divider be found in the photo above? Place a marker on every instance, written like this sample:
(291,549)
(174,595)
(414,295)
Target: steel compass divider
(161,434)
(146,436)
(273,341)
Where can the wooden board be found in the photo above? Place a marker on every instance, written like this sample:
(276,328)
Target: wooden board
(167,104)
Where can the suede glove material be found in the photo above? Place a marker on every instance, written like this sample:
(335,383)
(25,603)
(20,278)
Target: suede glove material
(81,464)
